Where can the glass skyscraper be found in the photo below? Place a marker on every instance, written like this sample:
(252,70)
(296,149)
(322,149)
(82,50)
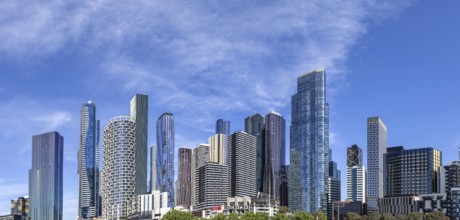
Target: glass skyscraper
(45,177)
(309,135)
(139,112)
(255,125)
(376,148)
(165,156)
(223,127)
(118,167)
(88,163)
(275,153)
(356,175)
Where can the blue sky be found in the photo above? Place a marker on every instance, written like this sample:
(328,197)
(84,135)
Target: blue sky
(204,60)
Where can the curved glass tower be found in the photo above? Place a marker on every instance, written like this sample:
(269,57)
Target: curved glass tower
(309,135)
(118,167)
(88,163)
(165,156)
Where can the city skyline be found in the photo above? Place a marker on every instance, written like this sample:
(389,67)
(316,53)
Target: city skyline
(367,55)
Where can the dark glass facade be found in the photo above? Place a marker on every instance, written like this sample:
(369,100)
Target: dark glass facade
(411,172)
(354,156)
(45,177)
(20,206)
(165,156)
(255,125)
(241,164)
(309,135)
(139,112)
(88,163)
(334,192)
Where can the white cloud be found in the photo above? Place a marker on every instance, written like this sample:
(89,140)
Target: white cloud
(10,189)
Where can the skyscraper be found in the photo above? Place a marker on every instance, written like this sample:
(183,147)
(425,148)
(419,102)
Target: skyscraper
(255,125)
(356,175)
(200,155)
(309,135)
(334,192)
(411,172)
(139,112)
(217,149)
(45,177)
(88,163)
(118,167)
(223,127)
(153,168)
(275,153)
(184,179)
(165,156)
(242,166)
(450,185)
(376,147)
(211,186)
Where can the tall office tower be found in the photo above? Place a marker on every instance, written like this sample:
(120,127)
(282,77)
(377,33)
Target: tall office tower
(334,186)
(165,156)
(376,147)
(153,168)
(88,163)
(217,150)
(242,166)
(255,125)
(411,172)
(139,112)
(45,177)
(118,167)
(211,186)
(356,175)
(275,153)
(450,174)
(184,179)
(284,191)
(309,135)
(223,127)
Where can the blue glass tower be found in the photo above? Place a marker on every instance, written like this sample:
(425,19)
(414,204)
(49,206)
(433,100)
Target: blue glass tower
(88,163)
(309,135)
(223,127)
(45,177)
(165,156)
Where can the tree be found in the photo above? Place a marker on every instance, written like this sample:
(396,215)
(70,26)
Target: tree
(352,216)
(319,215)
(233,216)
(374,216)
(387,216)
(280,216)
(301,215)
(415,216)
(434,216)
(219,216)
(178,215)
(283,209)
(252,216)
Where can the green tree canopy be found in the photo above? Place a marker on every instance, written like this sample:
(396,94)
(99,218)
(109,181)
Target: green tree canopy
(352,216)
(283,209)
(388,216)
(434,216)
(319,215)
(374,216)
(301,215)
(280,216)
(178,215)
(415,216)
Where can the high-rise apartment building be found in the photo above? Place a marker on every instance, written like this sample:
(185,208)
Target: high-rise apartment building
(165,156)
(184,179)
(46,177)
(275,153)
(376,147)
(211,186)
(118,167)
(356,175)
(411,172)
(139,112)
(255,125)
(88,163)
(334,192)
(309,135)
(449,177)
(217,148)
(200,155)
(242,166)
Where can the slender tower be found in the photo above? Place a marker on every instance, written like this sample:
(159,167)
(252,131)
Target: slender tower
(376,148)
(165,156)
(88,163)
(255,125)
(308,170)
(356,175)
(139,112)
(45,177)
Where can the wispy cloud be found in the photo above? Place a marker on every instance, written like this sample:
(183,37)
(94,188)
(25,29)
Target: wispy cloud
(10,190)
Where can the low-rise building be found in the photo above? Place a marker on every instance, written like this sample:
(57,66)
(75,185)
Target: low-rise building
(432,202)
(398,205)
(340,208)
